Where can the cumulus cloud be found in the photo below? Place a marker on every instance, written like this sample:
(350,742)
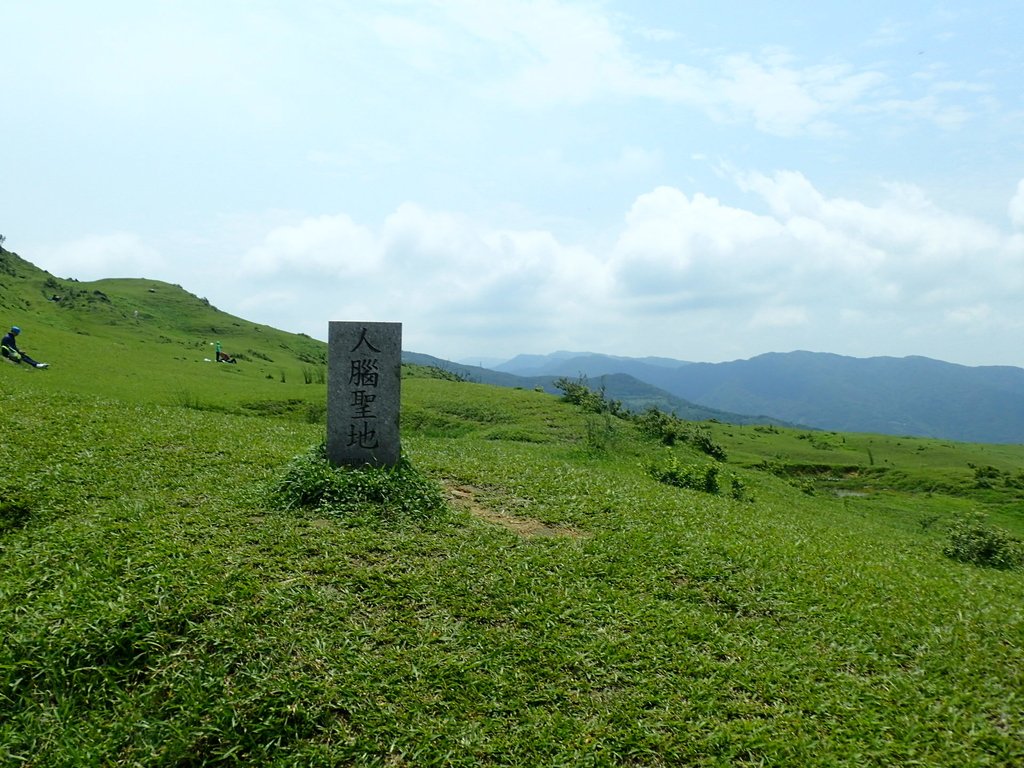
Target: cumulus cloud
(332,246)
(906,238)
(814,266)
(795,267)
(94,257)
(675,244)
(448,275)
(807,269)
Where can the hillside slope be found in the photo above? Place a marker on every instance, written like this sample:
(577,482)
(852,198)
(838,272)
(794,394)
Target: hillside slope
(148,340)
(554,590)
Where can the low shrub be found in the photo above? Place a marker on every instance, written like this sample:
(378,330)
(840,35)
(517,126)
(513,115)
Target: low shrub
(591,401)
(360,494)
(738,490)
(701,439)
(670,429)
(976,541)
(662,426)
(697,477)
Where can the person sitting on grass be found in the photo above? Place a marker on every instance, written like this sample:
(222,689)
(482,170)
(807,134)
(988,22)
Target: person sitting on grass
(223,357)
(9,349)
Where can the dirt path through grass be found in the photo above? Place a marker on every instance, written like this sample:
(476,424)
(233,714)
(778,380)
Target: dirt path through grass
(468,498)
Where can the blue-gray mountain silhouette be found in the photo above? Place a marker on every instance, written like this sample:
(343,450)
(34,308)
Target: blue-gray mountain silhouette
(915,396)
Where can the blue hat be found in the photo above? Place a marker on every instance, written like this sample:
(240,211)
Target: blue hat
(15,330)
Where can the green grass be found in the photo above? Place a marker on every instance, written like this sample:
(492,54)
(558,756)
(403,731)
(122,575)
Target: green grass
(163,606)
(148,341)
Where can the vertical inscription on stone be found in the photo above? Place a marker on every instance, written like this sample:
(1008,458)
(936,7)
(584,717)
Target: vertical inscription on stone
(364,375)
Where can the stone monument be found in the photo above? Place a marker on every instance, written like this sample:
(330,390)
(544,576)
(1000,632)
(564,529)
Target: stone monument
(364,375)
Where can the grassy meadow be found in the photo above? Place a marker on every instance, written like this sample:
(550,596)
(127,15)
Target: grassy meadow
(164,604)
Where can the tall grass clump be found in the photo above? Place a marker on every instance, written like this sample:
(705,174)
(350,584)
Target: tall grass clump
(361,494)
(590,400)
(669,429)
(697,477)
(974,540)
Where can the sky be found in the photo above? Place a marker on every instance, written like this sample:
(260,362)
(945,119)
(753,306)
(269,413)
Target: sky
(694,180)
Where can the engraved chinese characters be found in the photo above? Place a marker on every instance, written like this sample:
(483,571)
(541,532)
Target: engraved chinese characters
(364,373)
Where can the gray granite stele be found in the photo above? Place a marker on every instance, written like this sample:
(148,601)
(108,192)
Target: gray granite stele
(364,376)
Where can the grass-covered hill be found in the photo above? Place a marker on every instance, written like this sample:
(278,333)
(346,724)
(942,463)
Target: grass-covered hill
(152,342)
(184,581)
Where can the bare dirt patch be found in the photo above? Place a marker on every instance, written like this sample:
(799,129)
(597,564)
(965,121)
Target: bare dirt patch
(468,498)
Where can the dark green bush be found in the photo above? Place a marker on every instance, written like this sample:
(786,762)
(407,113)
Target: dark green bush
(660,425)
(974,540)
(592,401)
(697,477)
(701,439)
(738,489)
(669,429)
(358,493)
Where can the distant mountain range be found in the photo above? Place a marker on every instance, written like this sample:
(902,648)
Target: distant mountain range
(897,396)
(632,392)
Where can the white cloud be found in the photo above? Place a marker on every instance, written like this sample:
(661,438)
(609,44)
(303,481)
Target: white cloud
(816,264)
(785,100)
(836,260)
(809,271)
(332,246)
(94,257)
(555,52)
(905,235)
(672,244)
(441,271)
(547,53)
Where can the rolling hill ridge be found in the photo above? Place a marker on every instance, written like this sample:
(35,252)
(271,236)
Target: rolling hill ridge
(914,396)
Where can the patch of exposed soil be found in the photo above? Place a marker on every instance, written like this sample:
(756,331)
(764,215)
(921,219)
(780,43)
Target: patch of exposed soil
(468,498)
